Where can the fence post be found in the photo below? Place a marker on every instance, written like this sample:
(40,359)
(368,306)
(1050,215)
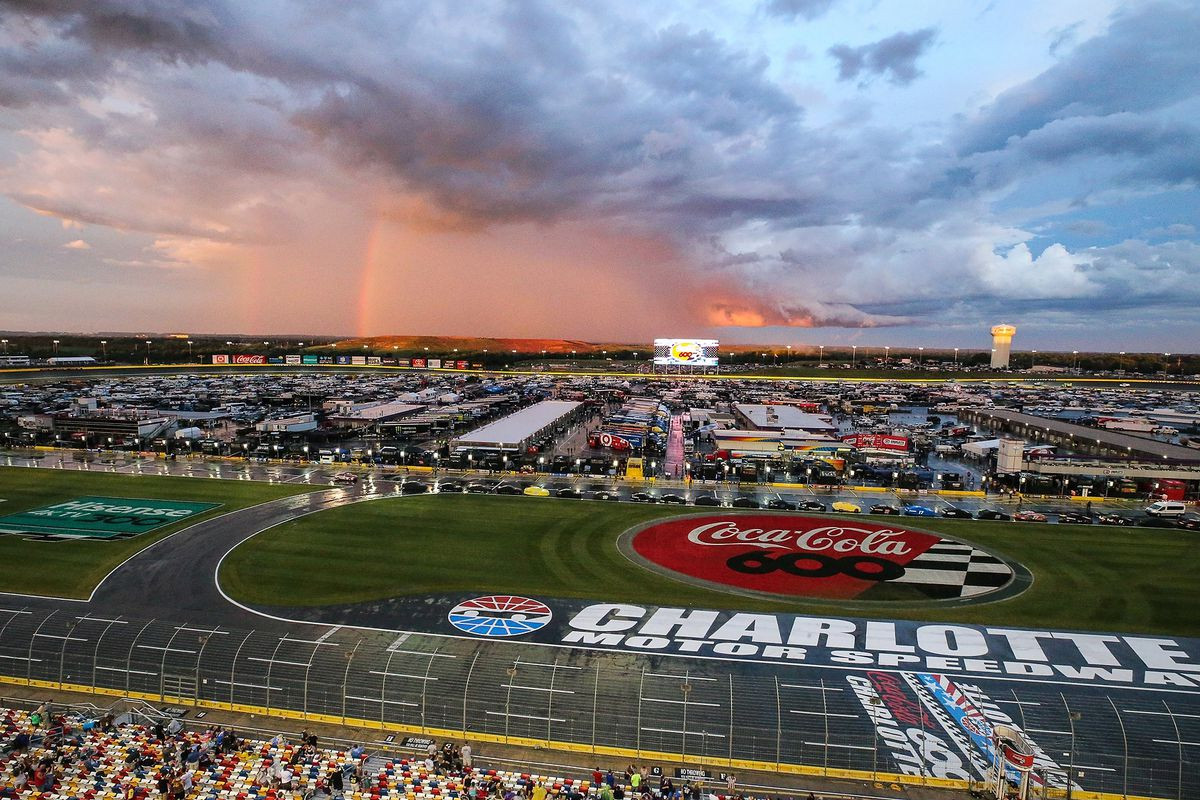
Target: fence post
(203,638)
(825,717)
(1179,739)
(346,678)
(129,655)
(641,693)
(32,639)
(730,674)
(425,685)
(96,651)
(62,653)
(778,727)
(1125,743)
(271,668)
(466,689)
(595,697)
(233,669)
(387,670)
(550,699)
(162,666)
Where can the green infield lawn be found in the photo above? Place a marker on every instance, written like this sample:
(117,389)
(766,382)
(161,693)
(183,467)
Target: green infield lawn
(1085,577)
(73,568)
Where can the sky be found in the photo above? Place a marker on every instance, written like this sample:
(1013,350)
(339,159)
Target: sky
(773,171)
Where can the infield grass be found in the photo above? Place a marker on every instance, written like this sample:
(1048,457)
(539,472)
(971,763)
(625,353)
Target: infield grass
(73,568)
(1085,577)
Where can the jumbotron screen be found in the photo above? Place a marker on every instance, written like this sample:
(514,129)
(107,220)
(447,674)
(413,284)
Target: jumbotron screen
(685,352)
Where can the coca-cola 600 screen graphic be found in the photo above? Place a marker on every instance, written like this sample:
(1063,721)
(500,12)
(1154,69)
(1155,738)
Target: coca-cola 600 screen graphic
(817,557)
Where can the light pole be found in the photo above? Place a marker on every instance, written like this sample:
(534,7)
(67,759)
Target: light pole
(103,349)
(854,354)
(789,349)
(821,361)
(189,341)
(956,356)
(920,356)
(147,351)
(56,347)
(1032,359)
(887,351)
(1074,360)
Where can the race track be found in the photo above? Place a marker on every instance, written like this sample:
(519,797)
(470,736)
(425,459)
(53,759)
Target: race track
(413,675)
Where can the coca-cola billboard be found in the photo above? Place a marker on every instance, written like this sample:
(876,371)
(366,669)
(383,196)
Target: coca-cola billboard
(248,359)
(828,558)
(877,441)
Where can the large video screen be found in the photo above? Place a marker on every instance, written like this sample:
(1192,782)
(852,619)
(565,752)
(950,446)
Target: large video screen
(685,352)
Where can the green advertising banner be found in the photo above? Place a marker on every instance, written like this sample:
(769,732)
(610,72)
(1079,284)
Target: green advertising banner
(100,517)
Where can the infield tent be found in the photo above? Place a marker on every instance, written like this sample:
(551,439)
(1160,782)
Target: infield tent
(514,431)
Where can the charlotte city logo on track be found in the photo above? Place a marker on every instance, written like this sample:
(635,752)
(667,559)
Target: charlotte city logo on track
(500,615)
(817,557)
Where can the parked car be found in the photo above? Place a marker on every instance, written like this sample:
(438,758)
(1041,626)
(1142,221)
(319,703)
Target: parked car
(345,477)
(1188,522)
(779,504)
(643,497)
(745,501)
(810,505)
(449,486)
(1029,516)
(954,512)
(569,492)
(1156,522)
(919,511)
(992,513)
(413,487)
(506,488)
(846,507)
(1114,518)
(1075,518)
(884,508)
(605,495)
(478,488)
(536,491)
(673,499)
(706,500)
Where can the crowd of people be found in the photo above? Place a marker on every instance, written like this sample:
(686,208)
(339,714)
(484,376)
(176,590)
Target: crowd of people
(46,756)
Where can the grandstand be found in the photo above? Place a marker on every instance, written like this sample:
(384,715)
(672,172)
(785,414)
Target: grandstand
(68,755)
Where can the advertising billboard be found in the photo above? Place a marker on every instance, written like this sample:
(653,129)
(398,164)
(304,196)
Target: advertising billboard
(435,363)
(293,359)
(342,359)
(247,359)
(358,361)
(310,360)
(685,352)
(462,364)
(419,363)
(274,360)
(323,360)
(222,359)
(404,362)
(877,441)
(374,360)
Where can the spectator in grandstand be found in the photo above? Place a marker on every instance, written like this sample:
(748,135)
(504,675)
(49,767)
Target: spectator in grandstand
(467,761)
(634,779)
(337,784)
(19,742)
(730,784)
(610,780)
(597,777)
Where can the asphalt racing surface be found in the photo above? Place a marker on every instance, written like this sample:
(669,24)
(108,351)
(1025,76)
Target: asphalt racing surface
(1134,739)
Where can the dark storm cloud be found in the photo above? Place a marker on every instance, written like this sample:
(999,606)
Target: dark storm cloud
(549,113)
(894,57)
(1145,61)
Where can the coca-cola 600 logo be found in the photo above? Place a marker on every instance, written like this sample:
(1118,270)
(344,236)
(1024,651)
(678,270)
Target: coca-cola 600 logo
(817,557)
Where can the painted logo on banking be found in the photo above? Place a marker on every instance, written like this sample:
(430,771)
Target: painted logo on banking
(834,559)
(100,517)
(500,615)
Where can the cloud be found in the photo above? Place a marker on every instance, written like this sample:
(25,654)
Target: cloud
(894,57)
(790,9)
(1144,61)
(77,244)
(456,157)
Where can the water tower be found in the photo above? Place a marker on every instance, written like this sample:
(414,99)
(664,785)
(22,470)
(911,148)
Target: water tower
(1001,345)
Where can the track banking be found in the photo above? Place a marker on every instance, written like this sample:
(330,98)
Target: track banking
(1076,657)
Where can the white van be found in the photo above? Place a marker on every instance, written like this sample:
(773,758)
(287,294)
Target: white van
(1166,508)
